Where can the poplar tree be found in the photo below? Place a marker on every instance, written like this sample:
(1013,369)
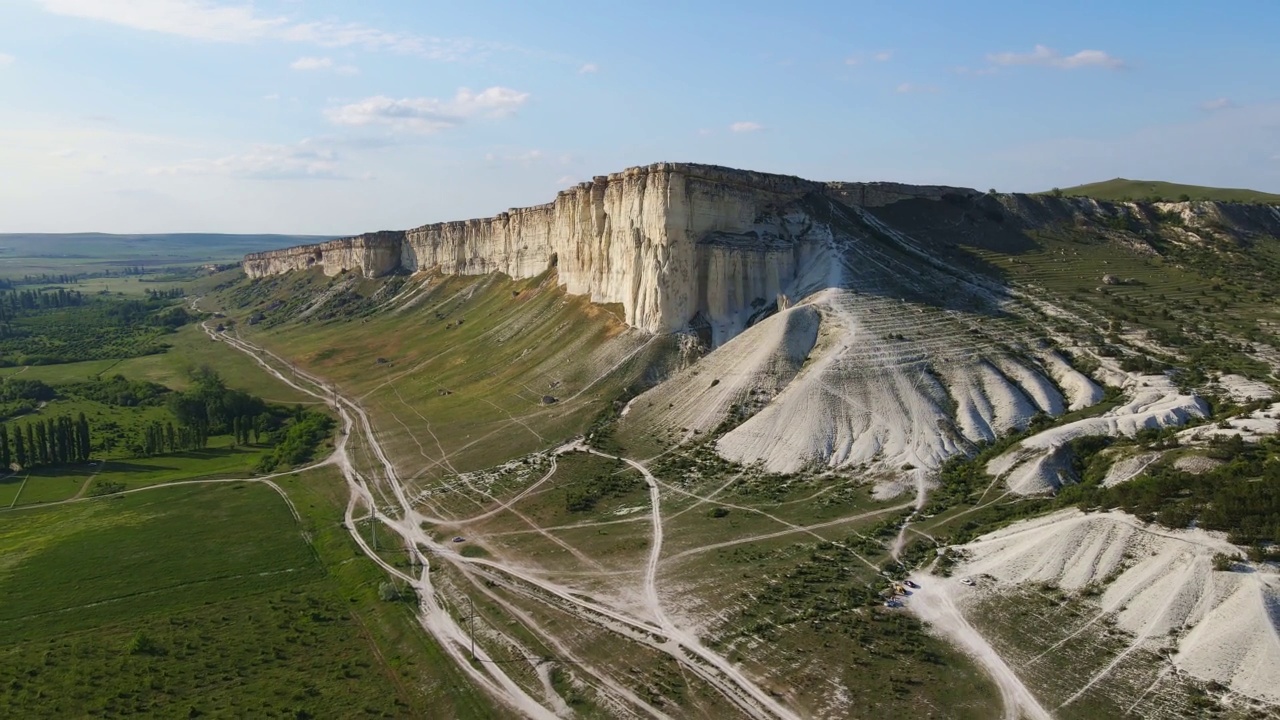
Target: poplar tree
(20,447)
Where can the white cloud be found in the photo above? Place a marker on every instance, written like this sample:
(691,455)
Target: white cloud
(429,115)
(1042,55)
(588,69)
(745,126)
(323,63)
(6,59)
(272,97)
(242,23)
(1217,104)
(883,56)
(914,89)
(566,181)
(706,132)
(306,160)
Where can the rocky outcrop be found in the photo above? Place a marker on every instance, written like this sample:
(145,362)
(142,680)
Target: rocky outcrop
(644,238)
(667,242)
(676,244)
(372,254)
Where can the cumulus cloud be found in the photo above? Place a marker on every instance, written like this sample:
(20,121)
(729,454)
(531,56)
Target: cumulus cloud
(6,59)
(213,21)
(745,126)
(1217,104)
(428,115)
(1046,56)
(914,89)
(588,69)
(306,160)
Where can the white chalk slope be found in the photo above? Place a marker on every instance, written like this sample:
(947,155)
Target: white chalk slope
(1227,624)
(888,362)
(1041,462)
(831,383)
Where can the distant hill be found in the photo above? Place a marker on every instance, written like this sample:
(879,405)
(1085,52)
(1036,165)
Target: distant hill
(36,253)
(1122,189)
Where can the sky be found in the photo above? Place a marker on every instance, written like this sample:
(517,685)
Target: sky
(336,117)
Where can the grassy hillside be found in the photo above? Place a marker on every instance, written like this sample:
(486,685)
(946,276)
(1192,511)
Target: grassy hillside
(1122,189)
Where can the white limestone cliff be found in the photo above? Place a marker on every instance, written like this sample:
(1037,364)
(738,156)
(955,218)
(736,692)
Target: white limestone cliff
(669,242)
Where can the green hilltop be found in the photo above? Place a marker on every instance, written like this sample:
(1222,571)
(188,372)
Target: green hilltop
(1120,189)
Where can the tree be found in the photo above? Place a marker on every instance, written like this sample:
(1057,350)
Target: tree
(5,459)
(1056,192)
(40,444)
(20,447)
(83,438)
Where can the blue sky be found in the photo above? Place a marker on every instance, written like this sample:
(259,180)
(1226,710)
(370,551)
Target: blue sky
(334,117)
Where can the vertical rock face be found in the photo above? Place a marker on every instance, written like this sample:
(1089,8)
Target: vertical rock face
(630,238)
(372,254)
(634,238)
(676,244)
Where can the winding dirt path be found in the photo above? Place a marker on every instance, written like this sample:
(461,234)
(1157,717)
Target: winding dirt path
(434,616)
(933,602)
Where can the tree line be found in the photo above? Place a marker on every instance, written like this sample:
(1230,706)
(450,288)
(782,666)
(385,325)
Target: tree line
(45,442)
(16,301)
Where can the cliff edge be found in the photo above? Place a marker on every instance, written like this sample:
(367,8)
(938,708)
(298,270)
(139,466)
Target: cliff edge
(666,241)
(677,243)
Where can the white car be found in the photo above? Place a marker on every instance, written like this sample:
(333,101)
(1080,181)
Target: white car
(968,581)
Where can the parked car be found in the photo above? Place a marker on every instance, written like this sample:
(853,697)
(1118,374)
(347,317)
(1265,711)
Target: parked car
(459,538)
(911,584)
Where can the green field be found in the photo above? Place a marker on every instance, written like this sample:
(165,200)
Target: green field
(216,461)
(199,599)
(189,348)
(1122,189)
